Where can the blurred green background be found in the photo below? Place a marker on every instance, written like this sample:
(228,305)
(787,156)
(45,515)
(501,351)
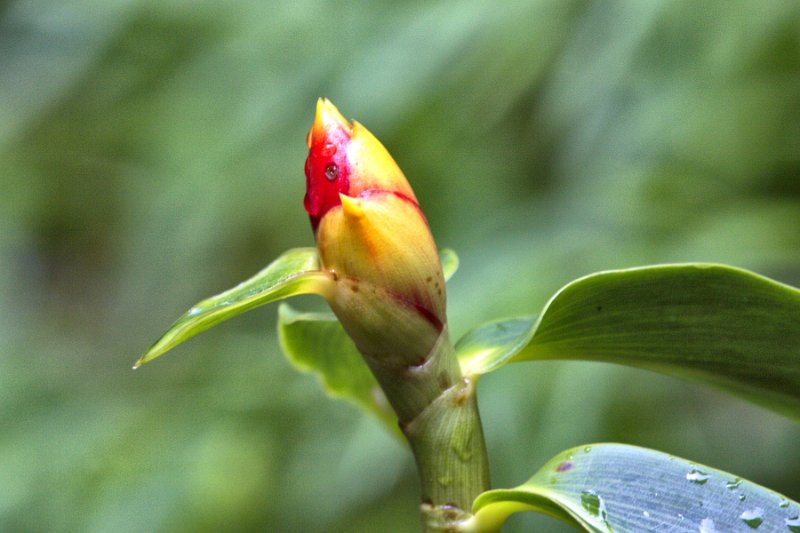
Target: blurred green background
(151,154)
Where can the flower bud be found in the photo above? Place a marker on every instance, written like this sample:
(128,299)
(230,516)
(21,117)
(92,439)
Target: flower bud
(372,235)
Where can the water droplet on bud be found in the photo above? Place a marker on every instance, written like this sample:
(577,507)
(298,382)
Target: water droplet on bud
(331,172)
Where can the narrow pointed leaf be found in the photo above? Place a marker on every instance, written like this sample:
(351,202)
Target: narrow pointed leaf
(620,488)
(294,272)
(715,324)
(316,343)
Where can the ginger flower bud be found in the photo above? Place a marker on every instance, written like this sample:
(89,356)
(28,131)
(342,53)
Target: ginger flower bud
(373,238)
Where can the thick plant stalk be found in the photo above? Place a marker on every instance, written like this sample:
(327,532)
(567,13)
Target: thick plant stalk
(388,292)
(438,413)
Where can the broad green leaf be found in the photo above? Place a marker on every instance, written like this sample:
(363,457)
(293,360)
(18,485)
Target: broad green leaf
(620,488)
(294,272)
(714,324)
(316,343)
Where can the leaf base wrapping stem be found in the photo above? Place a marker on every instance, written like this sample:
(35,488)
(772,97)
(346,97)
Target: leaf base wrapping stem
(438,413)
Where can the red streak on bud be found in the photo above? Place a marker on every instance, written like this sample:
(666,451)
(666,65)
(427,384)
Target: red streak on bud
(430,316)
(327,168)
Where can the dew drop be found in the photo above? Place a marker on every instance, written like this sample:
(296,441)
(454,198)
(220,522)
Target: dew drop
(594,504)
(707,526)
(590,501)
(742,497)
(793,524)
(733,485)
(328,149)
(587,449)
(697,476)
(331,172)
(753,518)
(646,514)
(784,504)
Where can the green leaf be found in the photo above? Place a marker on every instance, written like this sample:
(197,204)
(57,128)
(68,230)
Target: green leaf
(715,324)
(620,488)
(294,272)
(317,343)
(449,261)
(491,345)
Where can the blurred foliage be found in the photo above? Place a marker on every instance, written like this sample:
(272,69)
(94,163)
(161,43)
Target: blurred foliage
(151,154)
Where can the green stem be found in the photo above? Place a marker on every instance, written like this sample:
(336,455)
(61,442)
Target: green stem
(438,413)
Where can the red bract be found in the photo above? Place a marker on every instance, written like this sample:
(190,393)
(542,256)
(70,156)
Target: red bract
(327,169)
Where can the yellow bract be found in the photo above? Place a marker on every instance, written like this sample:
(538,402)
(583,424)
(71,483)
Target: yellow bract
(372,167)
(383,239)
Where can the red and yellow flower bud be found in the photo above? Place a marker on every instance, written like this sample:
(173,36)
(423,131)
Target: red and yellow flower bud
(387,290)
(372,235)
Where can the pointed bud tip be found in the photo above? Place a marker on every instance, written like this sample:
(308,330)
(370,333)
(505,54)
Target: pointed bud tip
(351,206)
(327,167)
(327,118)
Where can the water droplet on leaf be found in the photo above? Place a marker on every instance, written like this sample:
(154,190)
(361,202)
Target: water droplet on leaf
(697,476)
(733,485)
(793,524)
(707,526)
(753,518)
(591,501)
(594,504)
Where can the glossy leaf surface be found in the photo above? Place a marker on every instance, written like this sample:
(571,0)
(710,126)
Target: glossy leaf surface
(294,272)
(714,324)
(620,488)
